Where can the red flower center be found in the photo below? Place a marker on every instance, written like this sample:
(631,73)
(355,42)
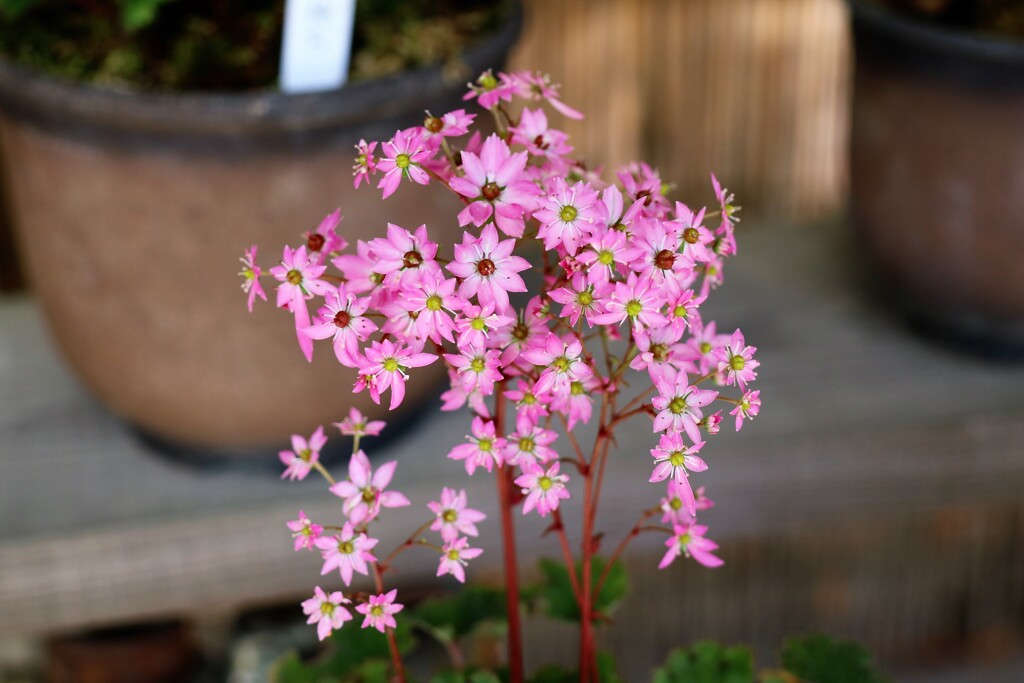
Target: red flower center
(491,191)
(486,267)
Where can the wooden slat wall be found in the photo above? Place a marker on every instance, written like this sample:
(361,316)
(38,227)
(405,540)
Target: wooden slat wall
(754,90)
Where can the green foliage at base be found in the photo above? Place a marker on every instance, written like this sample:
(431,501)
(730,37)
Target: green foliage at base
(555,591)
(819,659)
(812,659)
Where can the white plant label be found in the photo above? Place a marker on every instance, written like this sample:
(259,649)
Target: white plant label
(316,45)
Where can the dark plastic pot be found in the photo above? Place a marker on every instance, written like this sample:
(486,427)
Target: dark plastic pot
(937,174)
(133,209)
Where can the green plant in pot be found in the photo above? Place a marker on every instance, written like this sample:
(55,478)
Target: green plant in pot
(937,148)
(131,185)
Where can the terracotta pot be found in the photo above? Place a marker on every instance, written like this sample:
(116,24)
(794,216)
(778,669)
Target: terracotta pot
(937,174)
(132,211)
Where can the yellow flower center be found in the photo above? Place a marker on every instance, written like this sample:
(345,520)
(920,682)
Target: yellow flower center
(545,483)
(403,161)
(434,303)
(568,214)
(678,405)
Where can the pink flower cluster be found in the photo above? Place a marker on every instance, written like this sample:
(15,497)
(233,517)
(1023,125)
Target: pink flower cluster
(348,549)
(622,270)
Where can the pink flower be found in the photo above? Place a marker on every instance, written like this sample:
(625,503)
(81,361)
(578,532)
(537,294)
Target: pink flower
(364,492)
(683,311)
(637,299)
(365,163)
(453,558)
(658,258)
(490,90)
(538,86)
(543,489)
(303,455)
(326,611)
(583,296)
(304,532)
(530,443)
(299,280)
(452,515)
(713,423)
(347,552)
(325,240)
(531,406)
(725,199)
(342,318)
(659,349)
(403,156)
(689,540)
(736,361)
(492,181)
(477,368)
(696,240)
(251,274)
(433,300)
(488,269)
(452,124)
(476,322)
(483,450)
(602,254)
(356,424)
(380,611)
(404,255)
(673,506)
(577,403)
(562,362)
(534,134)
(747,408)
(388,364)
(679,404)
(358,269)
(672,459)
(569,214)
(456,397)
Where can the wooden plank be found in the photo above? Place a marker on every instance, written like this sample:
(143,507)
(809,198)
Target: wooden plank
(755,90)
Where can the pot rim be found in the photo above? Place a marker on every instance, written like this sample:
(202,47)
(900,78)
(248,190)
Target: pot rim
(980,48)
(36,96)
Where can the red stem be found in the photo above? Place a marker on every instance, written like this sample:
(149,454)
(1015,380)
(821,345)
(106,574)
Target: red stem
(508,534)
(396,658)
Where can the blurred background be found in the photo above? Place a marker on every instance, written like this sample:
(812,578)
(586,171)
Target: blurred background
(879,497)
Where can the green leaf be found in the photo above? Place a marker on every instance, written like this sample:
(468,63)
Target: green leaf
(554,674)
(449,676)
(351,648)
(707,662)
(556,589)
(606,670)
(374,671)
(15,8)
(820,659)
(137,14)
(461,613)
(484,676)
